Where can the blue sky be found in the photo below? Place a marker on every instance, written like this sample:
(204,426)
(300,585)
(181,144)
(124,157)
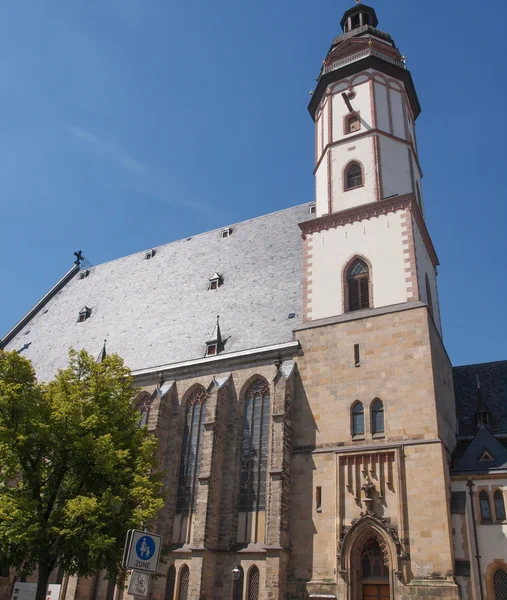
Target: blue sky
(127,124)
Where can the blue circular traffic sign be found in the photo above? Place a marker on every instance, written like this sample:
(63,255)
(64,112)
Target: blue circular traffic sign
(145,547)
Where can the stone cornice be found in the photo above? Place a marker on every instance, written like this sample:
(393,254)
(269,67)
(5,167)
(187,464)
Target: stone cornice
(369,211)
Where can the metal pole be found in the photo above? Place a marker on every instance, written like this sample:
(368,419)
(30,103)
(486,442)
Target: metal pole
(470,485)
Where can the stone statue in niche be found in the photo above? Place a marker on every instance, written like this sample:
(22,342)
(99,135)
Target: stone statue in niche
(368,488)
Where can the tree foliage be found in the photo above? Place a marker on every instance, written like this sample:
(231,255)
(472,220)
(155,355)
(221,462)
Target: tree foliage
(76,471)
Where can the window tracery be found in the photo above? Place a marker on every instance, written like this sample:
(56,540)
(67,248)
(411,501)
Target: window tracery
(191,451)
(254,447)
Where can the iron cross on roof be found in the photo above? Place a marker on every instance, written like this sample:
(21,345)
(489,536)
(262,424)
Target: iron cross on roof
(79,257)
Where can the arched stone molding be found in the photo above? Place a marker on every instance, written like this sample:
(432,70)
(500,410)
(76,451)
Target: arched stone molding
(352,542)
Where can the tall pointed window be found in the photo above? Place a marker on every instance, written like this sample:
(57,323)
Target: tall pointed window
(253,584)
(377,416)
(191,451)
(171,580)
(237,584)
(485,507)
(358,284)
(353,176)
(499,505)
(184,583)
(357,419)
(254,448)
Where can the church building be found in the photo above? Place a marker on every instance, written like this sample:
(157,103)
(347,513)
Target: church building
(315,439)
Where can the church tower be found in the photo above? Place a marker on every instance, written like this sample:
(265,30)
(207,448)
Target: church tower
(375,428)
(370,223)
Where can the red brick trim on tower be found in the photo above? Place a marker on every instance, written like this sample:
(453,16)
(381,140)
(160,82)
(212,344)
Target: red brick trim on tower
(369,211)
(409,251)
(307,277)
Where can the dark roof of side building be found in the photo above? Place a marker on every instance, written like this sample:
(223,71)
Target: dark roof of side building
(493,385)
(160,311)
(484,454)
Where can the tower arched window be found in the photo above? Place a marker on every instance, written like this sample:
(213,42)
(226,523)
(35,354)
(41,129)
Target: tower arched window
(357,419)
(184,583)
(253,584)
(353,176)
(499,505)
(428,295)
(171,580)
(485,507)
(191,451)
(237,585)
(500,584)
(358,284)
(254,448)
(377,416)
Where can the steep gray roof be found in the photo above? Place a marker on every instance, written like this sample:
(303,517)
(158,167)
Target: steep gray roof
(471,461)
(160,311)
(493,383)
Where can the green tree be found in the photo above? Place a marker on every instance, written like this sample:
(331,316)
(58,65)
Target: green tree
(76,471)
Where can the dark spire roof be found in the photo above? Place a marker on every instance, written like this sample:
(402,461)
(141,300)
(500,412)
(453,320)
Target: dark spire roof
(369,16)
(482,413)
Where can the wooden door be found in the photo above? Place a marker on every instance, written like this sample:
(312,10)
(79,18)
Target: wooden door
(375,592)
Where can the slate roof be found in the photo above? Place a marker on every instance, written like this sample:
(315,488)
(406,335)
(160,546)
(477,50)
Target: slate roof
(160,311)
(493,385)
(470,461)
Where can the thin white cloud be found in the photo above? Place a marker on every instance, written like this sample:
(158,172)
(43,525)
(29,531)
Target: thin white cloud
(151,184)
(117,152)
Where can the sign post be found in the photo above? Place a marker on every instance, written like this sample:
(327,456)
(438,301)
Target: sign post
(139,584)
(142,551)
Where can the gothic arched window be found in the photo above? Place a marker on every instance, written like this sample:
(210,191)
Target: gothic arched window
(254,448)
(358,284)
(377,416)
(500,584)
(428,295)
(184,583)
(191,451)
(357,419)
(253,584)
(499,505)
(353,176)
(485,507)
(372,562)
(237,585)
(171,580)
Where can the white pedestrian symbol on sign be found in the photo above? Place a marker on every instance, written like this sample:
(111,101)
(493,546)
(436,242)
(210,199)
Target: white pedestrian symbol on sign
(145,547)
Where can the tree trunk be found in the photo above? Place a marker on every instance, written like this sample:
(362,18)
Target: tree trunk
(42,582)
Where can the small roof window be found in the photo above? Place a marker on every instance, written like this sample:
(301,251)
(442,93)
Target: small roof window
(226,232)
(215,281)
(84,314)
(312,209)
(84,273)
(486,456)
(150,254)
(215,344)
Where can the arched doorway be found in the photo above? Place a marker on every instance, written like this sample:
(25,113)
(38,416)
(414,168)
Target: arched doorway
(374,569)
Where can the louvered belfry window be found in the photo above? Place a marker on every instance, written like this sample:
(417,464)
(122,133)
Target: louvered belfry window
(358,282)
(191,451)
(254,448)
(353,176)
